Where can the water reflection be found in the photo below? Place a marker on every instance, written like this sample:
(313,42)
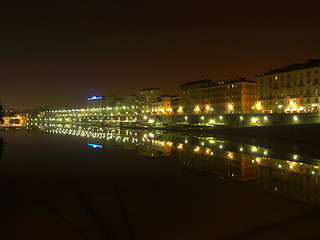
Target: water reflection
(1,147)
(285,173)
(17,122)
(235,165)
(291,179)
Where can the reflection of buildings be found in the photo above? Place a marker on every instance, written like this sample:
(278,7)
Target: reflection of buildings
(17,121)
(1,147)
(291,179)
(111,138)
(162,146)
(239,166)
(299,181)
(155,148)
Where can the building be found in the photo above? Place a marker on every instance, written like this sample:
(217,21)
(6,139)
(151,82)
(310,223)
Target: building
(229,96)
(146,97)
(190,96)
(294,88)
(110,101)
(130,101)
(118,103)
(96,102)
(175,104)
(162,106)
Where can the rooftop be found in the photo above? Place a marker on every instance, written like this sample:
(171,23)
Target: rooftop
(204,81)
(230,81)
(148,89)
(292,67)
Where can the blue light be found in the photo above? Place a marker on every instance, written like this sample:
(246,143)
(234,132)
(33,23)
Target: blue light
(95,145)
(94,98)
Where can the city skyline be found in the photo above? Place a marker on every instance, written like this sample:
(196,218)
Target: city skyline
(58,54)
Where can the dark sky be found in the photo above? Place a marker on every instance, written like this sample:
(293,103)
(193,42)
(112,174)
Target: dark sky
(58,53)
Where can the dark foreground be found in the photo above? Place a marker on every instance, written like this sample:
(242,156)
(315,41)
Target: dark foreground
(58,187)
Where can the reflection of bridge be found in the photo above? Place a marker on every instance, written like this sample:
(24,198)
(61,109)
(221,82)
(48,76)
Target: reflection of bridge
(14,121)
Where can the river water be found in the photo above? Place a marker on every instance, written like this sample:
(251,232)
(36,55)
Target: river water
(86,182)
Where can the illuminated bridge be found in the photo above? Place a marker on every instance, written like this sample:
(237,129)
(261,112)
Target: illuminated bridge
(14,121)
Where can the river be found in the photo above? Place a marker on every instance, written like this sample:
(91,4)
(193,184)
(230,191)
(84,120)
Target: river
(85,182)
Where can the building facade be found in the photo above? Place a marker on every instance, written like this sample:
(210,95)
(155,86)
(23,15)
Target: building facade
(228,96)
(162,106)
(130,101)
(146,97)
(190,96)
(110,100)
(175,104)
(294,88)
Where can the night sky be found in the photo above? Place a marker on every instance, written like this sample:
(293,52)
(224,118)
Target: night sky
(56,53)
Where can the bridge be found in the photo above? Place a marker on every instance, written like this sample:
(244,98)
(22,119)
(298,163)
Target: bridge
(14,121)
